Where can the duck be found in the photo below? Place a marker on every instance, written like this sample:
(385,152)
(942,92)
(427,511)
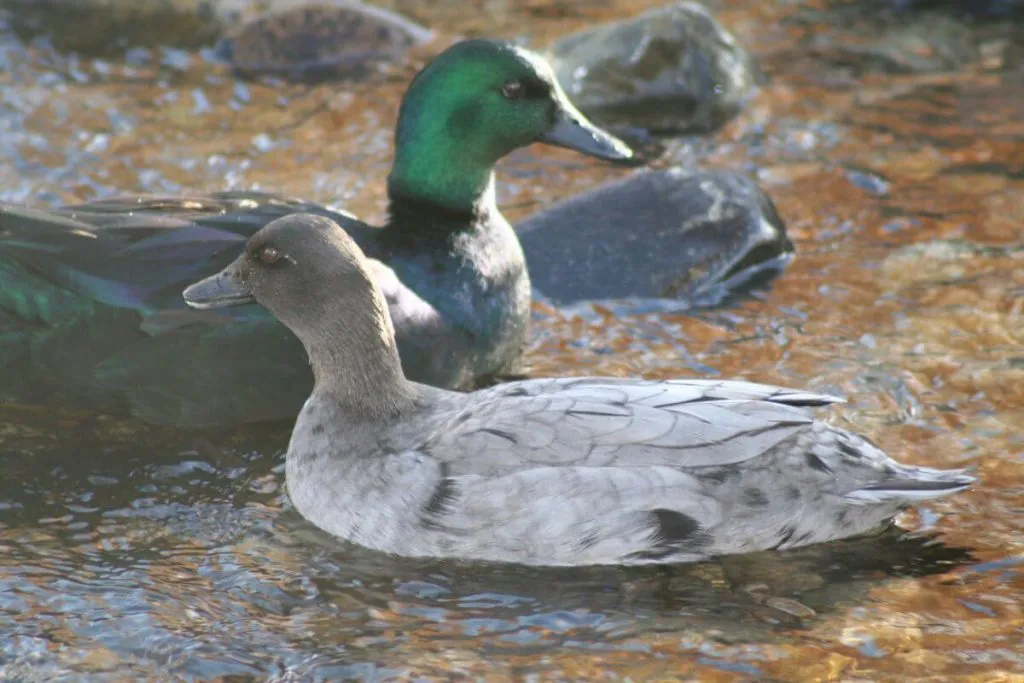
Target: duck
(90,310)
(544,471)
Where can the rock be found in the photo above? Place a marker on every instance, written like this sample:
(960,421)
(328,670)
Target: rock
(673,69)
(103,27)
(320,41)
(694,235)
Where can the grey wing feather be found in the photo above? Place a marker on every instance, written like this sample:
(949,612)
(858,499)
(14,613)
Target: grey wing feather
(681,390)
(624,423)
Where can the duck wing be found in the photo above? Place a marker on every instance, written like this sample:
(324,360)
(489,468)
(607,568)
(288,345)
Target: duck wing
(91,313)
(621,423)
(134,251)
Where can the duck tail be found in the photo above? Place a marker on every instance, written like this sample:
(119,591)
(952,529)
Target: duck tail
(911,484)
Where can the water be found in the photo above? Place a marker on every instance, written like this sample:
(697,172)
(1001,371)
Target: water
(128,552)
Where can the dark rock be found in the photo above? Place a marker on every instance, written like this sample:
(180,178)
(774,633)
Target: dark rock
(694,235)
(673,69)
(320,41)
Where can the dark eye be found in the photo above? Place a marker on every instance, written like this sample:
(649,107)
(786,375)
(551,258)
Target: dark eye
(528,88)
(514,90)
(270,255)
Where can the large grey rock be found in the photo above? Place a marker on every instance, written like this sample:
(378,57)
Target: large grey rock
(315,41)
(695,235)
(673,69)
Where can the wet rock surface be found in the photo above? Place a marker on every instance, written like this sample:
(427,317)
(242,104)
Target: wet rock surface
(313,42)
(673,69)
(694,235)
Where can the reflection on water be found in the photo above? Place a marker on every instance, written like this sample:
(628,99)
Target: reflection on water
(133,552)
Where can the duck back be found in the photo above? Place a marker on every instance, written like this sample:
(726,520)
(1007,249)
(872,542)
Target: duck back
(91,315)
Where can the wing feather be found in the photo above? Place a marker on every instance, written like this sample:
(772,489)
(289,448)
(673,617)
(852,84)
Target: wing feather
(623,423)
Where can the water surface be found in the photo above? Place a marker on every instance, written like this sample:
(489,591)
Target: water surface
(128,552)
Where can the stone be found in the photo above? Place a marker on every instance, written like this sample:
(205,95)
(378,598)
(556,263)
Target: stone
(673,69)
(686,234)
(318,41)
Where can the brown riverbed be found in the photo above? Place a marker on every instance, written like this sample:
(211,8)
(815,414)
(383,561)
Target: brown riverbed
(128,552)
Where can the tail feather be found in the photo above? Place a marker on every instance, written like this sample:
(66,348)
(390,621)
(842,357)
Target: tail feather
(921,483)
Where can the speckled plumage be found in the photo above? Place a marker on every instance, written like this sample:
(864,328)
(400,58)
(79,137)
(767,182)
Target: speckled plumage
(570,471)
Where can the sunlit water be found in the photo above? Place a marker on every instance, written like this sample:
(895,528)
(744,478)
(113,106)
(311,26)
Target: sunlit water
(128,552)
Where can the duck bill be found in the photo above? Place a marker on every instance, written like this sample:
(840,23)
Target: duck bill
(222,290)
(573,131)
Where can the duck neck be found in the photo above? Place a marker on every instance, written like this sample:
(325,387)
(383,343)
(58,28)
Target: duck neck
(363,376)
(413,211)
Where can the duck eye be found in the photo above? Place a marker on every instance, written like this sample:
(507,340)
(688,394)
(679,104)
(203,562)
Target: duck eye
(270,255)
(514,90)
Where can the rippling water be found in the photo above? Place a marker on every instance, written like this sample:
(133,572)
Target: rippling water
(133,552)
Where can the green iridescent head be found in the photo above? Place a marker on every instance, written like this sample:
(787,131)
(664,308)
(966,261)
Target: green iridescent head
(473,104)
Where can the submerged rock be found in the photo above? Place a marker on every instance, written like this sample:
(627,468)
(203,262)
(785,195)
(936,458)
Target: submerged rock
(674,69)
(694,235)
(320,41)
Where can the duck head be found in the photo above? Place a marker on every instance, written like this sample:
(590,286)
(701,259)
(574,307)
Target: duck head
(473,104)
(288,267)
